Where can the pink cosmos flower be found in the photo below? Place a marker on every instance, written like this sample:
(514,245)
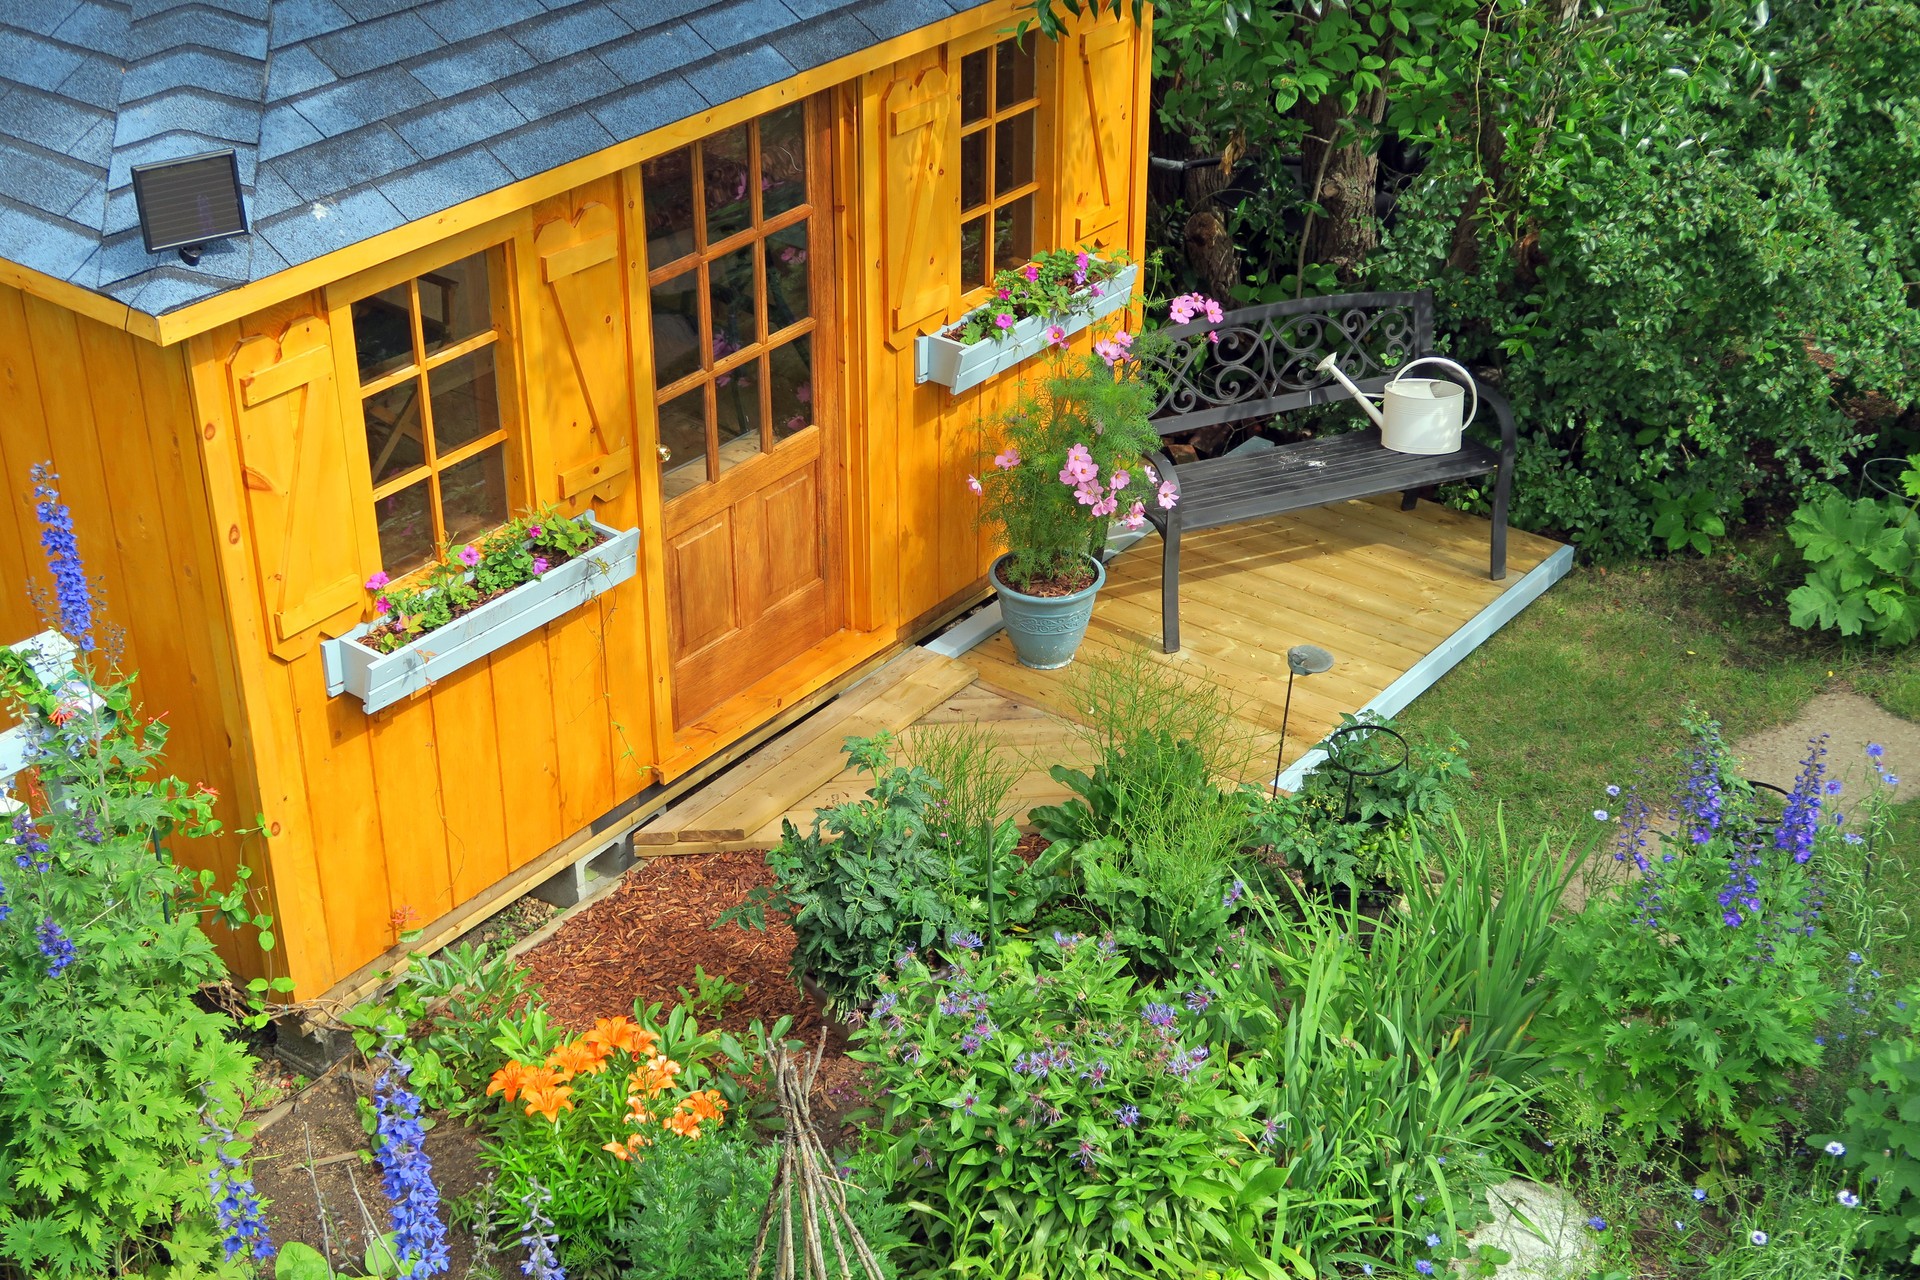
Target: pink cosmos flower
(1124,338)
(973,483)
(1136,515)
(1007,459)
(1168,495)
(1080,468)
(1118,480)
(1056,336)
(1153,477)
(1106,506)
(469,555)
(1109,350)
(1031,272)
(1089,495)
(381,607)
(1214,314)
(539,565)
(378,580)
(1004,320)
(1213,336)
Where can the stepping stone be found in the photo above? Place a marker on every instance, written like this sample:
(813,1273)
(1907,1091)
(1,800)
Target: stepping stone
(1851,722)
(1541,1228)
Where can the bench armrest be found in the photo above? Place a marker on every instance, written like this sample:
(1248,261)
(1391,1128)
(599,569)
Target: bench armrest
(1490,398)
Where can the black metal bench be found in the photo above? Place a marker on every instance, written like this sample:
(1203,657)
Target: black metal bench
(1264,364)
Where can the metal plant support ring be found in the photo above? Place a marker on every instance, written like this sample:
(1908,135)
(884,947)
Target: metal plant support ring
(1334,761)
(1758,785)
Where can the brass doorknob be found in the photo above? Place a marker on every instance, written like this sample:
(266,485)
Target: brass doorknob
(666,454)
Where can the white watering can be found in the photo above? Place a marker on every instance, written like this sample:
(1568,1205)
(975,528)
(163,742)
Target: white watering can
(1422,414)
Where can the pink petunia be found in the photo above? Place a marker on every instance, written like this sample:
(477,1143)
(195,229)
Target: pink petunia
(973,483)
(469,555)
(1118,480)
(1031,272)
(1007,459)
(378,580)
(1080,267)
(540,565)
(535,532)
(380,606)
(1168,495)
(1004,320)
(1003,294)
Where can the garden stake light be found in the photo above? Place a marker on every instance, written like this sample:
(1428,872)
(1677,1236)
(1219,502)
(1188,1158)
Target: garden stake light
(804,1166)
(1302,660)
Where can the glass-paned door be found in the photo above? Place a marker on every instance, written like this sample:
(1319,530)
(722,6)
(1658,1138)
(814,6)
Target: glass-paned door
(737,279)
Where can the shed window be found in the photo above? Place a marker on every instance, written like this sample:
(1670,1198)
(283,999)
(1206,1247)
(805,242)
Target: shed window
(999,137)
(430,402)
(729,236)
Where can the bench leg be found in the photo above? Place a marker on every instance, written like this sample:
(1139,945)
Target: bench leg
(1409,499)
(1170,585)
(1502,489)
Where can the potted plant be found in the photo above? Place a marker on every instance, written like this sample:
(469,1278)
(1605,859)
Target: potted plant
(1073,461)
(1055,296)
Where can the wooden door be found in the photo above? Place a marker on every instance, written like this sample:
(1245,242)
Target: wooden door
(748,444)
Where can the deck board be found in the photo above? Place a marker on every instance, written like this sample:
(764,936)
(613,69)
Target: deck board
(1395,597)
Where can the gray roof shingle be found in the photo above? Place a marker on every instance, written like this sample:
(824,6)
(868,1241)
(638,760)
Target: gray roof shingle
(352,117)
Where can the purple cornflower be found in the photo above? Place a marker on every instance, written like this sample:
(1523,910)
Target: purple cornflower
(884,1005)
(1234,893)
(1160,1015)
(1182,1065)
(956,1004)
(1067,941)
(1424,1267)
(1270,1132)
(1127,1117)
(1800,820)
(910,1054)
(1875,751)
(54,945)
(1108,947)
(965,939)
(70,588)
(1038,1063)
(905,958)
(1433,1241)
(399,1145)
(1085,1156)
(1848,1199)
(539,1237)
(1097,1073)
(1199,1000)
(970,1044)
(236,1203)
(1597,1222)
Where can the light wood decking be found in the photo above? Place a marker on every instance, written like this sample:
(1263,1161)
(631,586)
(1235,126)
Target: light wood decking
(1397,597)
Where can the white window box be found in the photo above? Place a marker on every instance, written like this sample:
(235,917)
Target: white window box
(959,366)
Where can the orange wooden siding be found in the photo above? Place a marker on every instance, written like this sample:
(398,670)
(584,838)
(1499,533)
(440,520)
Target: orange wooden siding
(111,412)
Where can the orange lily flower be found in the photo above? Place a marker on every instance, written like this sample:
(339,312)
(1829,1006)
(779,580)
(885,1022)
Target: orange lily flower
(656,1077)
(508,1081)
(624,1036)
(548,1101)
(578,1057)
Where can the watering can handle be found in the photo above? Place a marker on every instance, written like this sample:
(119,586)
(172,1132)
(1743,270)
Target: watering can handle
(1473,388)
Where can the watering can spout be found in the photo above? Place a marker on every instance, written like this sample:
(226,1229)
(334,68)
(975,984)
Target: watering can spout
(1329,365)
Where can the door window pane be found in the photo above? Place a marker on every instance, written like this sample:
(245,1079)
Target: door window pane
(1013,73)
(405,522)
(792,385)
(729,183)
(974,104)
(454,303)
(466,404)
(676,328)
(783,160)
(1013,233)
(736,401)
(382,333)
(973,253)
(666,185)
(732,297)
(395,445)
(999,161)
(973,170)
(683,433)
(1013,153)
(787,274)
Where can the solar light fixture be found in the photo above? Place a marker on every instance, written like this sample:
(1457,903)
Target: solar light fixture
(186,202)
(1302,660)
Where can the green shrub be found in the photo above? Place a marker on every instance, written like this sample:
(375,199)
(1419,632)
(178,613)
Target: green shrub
(106,1057)
(872,877)
(1689,997)
(1863,565)
(1880,1137)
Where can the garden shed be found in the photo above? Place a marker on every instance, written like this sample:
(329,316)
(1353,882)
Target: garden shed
(661,260)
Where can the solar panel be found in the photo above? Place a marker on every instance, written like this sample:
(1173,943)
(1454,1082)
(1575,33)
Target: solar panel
(186,202)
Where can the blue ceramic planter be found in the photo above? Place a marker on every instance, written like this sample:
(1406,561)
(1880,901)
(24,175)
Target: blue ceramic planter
(1046,630)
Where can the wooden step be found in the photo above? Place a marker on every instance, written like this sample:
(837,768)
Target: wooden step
(756,791)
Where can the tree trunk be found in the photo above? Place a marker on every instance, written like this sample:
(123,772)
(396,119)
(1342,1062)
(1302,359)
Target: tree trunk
(1340,161)
(1210,248)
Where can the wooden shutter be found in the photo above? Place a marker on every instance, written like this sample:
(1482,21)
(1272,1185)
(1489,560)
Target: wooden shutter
(581,395)
(294,458)
(1096,126)
(920,200)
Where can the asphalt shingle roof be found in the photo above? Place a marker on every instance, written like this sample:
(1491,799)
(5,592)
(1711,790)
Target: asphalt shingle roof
(352,117)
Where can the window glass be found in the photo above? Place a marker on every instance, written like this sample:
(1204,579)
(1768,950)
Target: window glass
(431,410)
(999,133)
(732,367)
(667,182)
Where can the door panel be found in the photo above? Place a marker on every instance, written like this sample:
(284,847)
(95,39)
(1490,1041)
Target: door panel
(701,585)
(792,563)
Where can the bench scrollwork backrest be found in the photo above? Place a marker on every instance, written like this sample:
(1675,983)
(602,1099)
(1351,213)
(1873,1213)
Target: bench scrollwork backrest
(1264,362)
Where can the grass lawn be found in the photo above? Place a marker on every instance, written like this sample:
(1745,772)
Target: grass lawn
(1593,682)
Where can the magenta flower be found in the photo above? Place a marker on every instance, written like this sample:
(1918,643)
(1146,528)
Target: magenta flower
(1003,294)
(378,580)
(1089,495)
(540,565)
(535,531)
(381,606)
(1080,267)
(469,555)
(1004,320)
(1031,272)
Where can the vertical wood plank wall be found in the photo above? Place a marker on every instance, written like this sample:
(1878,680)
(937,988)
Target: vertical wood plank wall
(111,412)
(220,487)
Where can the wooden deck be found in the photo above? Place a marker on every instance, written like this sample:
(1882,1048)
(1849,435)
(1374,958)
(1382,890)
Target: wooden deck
(1396,597)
